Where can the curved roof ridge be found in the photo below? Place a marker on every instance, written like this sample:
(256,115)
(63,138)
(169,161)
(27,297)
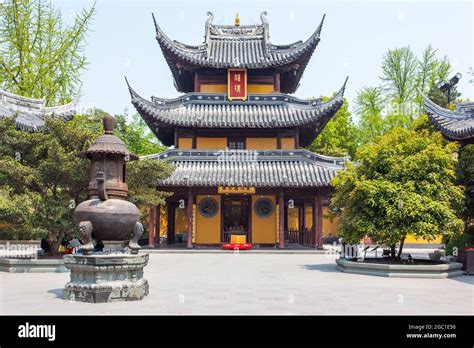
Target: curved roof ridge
(30,113)
(455,125)
(440,110)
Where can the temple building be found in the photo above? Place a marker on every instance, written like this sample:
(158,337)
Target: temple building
(457,125)
(30,113)
(237,139)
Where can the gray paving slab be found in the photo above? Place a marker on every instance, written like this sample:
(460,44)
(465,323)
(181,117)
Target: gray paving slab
(249,284)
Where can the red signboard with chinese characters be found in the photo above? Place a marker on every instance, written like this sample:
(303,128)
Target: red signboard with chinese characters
(237,84)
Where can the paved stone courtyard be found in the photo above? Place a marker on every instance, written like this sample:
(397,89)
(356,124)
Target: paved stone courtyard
(248,284)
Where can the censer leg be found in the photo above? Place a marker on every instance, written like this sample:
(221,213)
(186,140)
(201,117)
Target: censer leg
(137,234)
(86,233)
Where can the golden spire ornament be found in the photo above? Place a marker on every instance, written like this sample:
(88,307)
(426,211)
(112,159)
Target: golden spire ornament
(237,20)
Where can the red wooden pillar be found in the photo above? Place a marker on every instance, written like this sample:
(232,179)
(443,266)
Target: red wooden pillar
(190,220)
(157,225)
(151,234)
(281,222)
(319,220)
(277,82)
(314,239)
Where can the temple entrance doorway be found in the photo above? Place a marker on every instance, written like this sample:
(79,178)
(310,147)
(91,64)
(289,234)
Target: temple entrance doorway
(298,225)
(236,216)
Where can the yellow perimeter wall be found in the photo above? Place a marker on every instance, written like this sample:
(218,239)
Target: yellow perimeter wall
(208,230)
(263,229)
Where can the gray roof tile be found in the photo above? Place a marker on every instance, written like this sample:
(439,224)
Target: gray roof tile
(457,124)
(245,46)
(30,113)
(273,168)
(205,110)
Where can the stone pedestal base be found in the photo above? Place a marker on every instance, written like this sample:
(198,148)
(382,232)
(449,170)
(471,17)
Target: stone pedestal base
(106,277)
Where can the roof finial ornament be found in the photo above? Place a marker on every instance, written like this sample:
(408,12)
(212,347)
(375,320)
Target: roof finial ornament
(109,124)
(237,20)
(210,17)
(263,17)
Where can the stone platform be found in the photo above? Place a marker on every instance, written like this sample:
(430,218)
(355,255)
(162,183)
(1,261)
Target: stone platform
(106,277)
(435,271)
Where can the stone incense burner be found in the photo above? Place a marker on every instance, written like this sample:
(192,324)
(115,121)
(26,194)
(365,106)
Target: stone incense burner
(107,216)
(98,277)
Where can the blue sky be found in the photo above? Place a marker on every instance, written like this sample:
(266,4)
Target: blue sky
(355,36)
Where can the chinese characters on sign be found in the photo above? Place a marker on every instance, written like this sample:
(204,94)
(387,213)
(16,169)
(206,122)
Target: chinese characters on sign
(238,189)
(237,84)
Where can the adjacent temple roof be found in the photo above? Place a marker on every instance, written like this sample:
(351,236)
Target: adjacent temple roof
(213,110)
(246,46)
(455,125)
(273,168)
(30,113)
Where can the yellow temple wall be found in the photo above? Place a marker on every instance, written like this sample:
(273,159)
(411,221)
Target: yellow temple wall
(163,221)
(211,143)
(256,89)
(185,143)
(331,228)
(287,143)
(261,143)
(222,88)
(263,229)
(208,230)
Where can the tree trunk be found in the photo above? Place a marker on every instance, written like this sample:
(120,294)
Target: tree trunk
(402,242)
(393,251)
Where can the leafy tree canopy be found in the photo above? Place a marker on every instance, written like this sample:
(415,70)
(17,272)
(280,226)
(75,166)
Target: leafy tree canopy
(40,57)
(42,179)
(396,102)
(403,183)
(338,138)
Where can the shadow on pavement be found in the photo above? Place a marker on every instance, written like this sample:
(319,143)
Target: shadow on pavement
(57,292)
(324,267)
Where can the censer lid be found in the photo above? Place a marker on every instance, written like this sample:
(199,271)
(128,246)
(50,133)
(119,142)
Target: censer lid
(109,143)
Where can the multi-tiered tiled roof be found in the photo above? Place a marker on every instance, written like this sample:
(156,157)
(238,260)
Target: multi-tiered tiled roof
(246,46)
(30,113)
(455,125)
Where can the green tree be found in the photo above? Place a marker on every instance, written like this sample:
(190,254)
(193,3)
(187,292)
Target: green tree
(135,133)
(369,105)
(338,138)
(42,178)
(397,103)
(399,73)
(404,183)
(40,57)
(465,173)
